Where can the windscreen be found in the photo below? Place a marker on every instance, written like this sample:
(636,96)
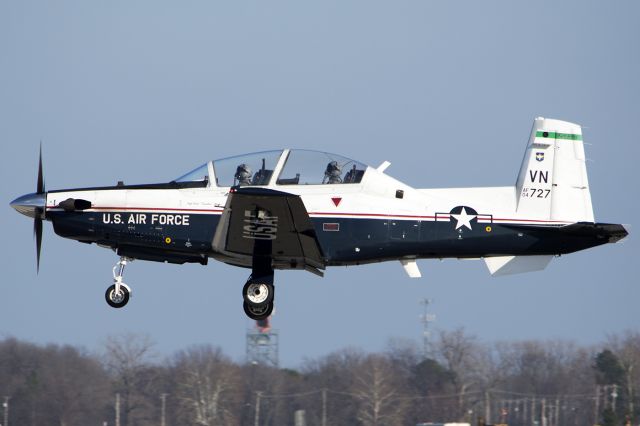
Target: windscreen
(199,174)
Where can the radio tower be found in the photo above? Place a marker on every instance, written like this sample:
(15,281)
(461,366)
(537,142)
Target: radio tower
(262,344)
(425,319)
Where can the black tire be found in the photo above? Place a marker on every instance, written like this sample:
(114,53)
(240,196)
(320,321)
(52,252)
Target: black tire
(116,303)
(251,283)
(258,313)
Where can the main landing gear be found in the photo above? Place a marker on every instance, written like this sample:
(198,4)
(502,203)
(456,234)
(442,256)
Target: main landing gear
(118,294)
(258,294)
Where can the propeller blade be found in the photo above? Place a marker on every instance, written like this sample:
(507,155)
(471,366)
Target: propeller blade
(37,222)
(40,187)
(37,233)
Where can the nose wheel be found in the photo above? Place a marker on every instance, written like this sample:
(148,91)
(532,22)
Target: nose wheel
(258,295)
(118,294)
(115,298)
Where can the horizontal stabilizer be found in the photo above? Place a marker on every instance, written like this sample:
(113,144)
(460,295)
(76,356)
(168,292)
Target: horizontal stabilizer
(508,265)
(606,232)
(411,268)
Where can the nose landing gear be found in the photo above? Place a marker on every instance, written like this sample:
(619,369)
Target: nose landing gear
(258,294)
(118,294)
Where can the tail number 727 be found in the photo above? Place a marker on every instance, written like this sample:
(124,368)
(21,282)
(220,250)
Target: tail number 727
(535,193)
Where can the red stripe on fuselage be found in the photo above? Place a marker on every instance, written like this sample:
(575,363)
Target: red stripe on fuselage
(332,214)
(164,209)
(442,216)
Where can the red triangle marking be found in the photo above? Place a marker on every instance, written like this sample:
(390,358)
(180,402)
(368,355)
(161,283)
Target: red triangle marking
(336,200)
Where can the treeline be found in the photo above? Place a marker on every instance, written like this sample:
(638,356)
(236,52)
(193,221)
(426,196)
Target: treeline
(548,383)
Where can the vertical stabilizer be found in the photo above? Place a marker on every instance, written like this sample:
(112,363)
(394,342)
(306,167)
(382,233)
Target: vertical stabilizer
(552,183)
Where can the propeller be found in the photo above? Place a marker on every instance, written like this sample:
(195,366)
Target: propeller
(37,221)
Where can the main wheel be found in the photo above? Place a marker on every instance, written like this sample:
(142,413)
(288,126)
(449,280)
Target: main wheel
(258,313)
(257,293)
(117,300)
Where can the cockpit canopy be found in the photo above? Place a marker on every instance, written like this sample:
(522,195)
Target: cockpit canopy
(199,174)
(304,167)
(248,169)
(300,167)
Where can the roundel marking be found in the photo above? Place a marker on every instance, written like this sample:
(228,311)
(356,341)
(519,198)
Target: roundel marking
(464,216)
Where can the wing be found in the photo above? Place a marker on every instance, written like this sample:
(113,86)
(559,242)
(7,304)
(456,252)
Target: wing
(266,229)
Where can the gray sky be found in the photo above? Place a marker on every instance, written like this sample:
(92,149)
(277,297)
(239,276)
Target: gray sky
(447,91)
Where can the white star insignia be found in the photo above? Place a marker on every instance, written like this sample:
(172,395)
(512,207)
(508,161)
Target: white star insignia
(464,219)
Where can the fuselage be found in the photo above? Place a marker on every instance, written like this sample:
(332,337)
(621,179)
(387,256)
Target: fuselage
(376,219)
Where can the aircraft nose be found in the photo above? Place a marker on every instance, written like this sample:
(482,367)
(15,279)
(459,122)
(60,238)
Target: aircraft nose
(31,205)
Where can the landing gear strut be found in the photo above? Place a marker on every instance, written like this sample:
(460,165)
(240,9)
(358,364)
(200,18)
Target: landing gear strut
(118,294)
(258,294)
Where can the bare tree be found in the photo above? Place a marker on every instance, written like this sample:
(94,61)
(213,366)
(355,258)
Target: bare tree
(460,353)
(334,372)
(531,380)
(627,348)
(128,357)
(74,383)
(52,385)
(208,386)
(377,390)
(424,379)
(535,369)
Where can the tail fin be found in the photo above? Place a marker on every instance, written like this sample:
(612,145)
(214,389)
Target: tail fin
(553,184)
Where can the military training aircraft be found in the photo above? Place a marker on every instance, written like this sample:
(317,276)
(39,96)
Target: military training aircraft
(301,209)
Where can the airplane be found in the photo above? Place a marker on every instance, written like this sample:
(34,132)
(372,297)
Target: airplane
(307,210)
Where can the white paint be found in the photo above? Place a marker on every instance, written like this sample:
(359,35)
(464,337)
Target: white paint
(508,265)
(374,196)
(382,167)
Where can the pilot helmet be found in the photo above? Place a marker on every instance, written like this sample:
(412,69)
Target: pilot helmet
(333,169)
(333,172)
(243,174)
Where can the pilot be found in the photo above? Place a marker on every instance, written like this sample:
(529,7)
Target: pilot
(352,175)
(243,175)
(333,173)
